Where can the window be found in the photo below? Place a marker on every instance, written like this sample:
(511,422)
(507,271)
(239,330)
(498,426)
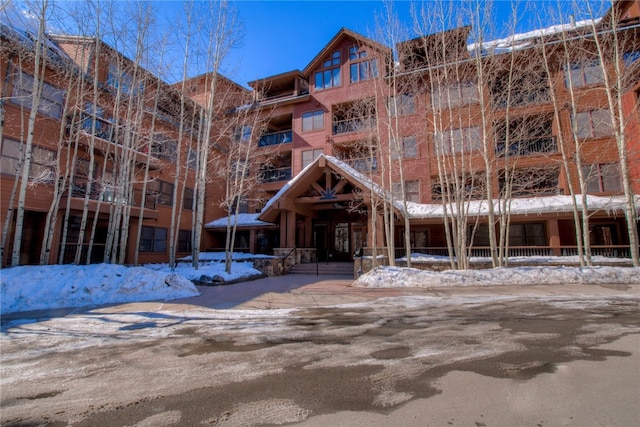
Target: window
(184,241)
(462,140)
(187,199)
(242,133)
(309,156)
(363,69)
(119,79)
(602,178)
(530,182)
(593,124)
(51,100)
(159,192)
(584,74)
(313,120)
(409,148)
(240,205)
(153,239)
(402,105)
(454,95)
(527,235)
(329,76)
(164,147)
(471,187)
(192,159)
(524,136)
(42,161)
(411,191)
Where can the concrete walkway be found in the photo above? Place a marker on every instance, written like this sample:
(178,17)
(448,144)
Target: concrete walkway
(300,291)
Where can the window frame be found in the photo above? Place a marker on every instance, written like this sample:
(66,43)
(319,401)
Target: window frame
(161,196)
(156,242)
(600,175)
(329,73)
(593,126)
(42,169)
(314,118)
(582,75)
(315,153)
(444,142)
(405,107)
(52,98)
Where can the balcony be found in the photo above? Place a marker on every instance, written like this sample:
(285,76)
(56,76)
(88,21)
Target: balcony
(527,147)
(354,124)
(275,174)
(105,136)
(275,138)
(363,164)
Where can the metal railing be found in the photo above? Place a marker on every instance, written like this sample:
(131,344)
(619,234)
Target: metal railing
(525,147)
(362,164)
(275,138)
(354,124)
(608,251)
(275,175)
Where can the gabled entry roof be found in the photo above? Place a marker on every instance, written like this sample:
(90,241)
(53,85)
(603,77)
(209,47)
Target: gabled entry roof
(304,189)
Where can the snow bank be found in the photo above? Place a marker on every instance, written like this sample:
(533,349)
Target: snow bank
(397,277)
(239,270)
(56,286)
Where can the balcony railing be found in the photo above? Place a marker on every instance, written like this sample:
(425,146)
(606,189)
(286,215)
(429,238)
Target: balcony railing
(527,147)
(96,192)
(98,127)
(363,164)
(275,175)
(275,138)
(608,251)
(355,124)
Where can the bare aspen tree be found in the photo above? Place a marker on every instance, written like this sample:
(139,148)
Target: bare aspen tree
(39,9)
(220,29)
(610,42)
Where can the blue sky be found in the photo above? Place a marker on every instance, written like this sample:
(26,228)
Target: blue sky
(280,36)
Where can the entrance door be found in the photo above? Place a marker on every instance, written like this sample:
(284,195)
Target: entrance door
(320,241)
(341,246)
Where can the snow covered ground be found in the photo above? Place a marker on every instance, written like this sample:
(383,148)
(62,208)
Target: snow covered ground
(396,277)
(57,286)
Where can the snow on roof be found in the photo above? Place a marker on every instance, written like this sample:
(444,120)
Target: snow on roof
(523,206)
(524,40)
(348,171)
(244,220)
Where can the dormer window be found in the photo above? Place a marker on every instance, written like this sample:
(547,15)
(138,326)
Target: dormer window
(329,75)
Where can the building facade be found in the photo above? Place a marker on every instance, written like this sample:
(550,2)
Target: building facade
(534,137)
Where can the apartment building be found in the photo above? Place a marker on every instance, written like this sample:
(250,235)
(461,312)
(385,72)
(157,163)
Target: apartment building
(356,135)
(535,126)
(112,164)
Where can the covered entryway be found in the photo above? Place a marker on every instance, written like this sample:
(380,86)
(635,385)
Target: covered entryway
(323,213)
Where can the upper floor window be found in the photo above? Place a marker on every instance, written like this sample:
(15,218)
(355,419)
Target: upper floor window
(51,102)
(242,133)
(602,178)
(123,81)
(411,191)
(187,199)
(313,120)
(593,124)
(164,147)
(584,74)
(329,75)
(408,148)
(402,104)
(463,140)
(308,156)
(454,95)
(42,161)
(361,68)
(159,192)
